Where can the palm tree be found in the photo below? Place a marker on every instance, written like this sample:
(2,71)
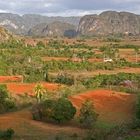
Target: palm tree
(39,92)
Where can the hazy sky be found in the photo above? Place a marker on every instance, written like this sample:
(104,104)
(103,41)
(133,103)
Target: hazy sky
(67,7)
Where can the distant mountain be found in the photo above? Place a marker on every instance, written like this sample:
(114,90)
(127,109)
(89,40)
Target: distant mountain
(12,22)
(110,22)
(55,29)
(22,24)
(107,23)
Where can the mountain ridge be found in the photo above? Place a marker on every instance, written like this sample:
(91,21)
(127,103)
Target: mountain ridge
(105,23)
(110,22)
(22,24)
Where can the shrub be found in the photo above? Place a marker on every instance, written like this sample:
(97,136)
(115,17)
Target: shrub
(87,116)
(64,79)
(40,44)
(63,110)
(6,103)
(3,93)
(58,111)
(7,135)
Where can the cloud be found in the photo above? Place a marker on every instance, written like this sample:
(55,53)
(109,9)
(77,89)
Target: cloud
(67,7)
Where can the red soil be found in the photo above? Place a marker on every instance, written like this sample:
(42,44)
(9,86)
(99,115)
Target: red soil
(55,58)
(95,60)
(132,59)
(110,105)
(5,79)
(20,88)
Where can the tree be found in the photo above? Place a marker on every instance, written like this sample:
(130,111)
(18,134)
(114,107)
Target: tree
(28,54)
(45,72)
(87,116)
(3,93)
(7,134)
(6,103)
(39,92)
(116,52)
(40,44)
(136,49)
(63,110)
(59,111)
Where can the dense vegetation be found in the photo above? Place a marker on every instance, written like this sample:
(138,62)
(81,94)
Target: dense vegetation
(18,58)
(6,102)
(58,110)
(7,134)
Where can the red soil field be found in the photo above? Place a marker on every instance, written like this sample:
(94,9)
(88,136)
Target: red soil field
(5,79)
(95,60)
(55,58)
(111,106)
(21,88)
(132,59)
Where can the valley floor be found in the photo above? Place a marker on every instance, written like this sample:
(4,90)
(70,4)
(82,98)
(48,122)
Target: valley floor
(27,129)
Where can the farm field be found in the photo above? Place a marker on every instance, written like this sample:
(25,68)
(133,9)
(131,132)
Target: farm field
(20,88)
(39,73)
(98,72)
(112,106)
(92,42)
(5,79)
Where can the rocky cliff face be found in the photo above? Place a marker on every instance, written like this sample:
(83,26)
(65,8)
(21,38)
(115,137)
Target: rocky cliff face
(22,24)
(55,29)
(110,22)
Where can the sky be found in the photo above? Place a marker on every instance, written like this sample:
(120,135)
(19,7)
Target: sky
(67,7)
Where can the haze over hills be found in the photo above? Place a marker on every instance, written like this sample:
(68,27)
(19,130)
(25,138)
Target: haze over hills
(106,23)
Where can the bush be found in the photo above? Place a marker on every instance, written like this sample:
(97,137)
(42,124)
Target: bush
(7,135)
(113,79)
(64,79)
(63,111)
(88,116)
(3,93)
(58,111)
(6,103)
